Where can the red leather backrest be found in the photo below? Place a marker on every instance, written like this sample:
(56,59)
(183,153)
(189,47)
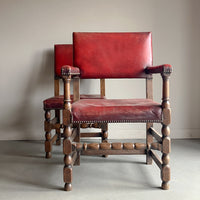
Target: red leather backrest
(112,55)
(63,55)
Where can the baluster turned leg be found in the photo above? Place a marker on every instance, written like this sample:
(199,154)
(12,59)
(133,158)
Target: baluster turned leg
(166,142)
(48,134)
(67,144)
(67,149)
(165,172)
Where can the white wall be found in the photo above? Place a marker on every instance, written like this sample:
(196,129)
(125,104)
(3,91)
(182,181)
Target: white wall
(29,29)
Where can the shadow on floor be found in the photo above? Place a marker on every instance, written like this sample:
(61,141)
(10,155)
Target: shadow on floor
(24,165)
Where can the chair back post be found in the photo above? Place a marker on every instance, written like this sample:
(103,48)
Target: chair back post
(56,86)
(104,126)
(102,88)
(76,97)
(56,78)
(149,87)
(57,93)
(76,88)
(57,112)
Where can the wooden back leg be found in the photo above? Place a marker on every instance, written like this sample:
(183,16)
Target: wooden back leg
(104,129)
(149,137)
(57,112)
(67,142)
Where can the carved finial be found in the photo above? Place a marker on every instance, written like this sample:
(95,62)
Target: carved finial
(166,71)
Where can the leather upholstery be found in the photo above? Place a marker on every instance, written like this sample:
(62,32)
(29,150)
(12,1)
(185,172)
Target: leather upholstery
(69,70)
(116,110)
(63,55)
(166,68)
(112,55)
(56,102)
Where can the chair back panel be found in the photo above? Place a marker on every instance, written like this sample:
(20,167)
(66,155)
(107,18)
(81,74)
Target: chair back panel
(112,55)
(63,55)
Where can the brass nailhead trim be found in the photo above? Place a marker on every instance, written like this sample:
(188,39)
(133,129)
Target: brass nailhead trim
(118,121)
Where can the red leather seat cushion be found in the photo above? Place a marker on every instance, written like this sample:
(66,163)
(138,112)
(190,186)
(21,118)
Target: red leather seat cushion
(56,102)
(116,110)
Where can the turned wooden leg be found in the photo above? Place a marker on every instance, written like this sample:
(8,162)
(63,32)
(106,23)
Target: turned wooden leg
(105,136)
(165,171)
(166,143)
(57,115)
(149,140)
(48,145)
(67,150)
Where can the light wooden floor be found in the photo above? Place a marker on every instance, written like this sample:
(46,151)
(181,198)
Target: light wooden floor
(26,174)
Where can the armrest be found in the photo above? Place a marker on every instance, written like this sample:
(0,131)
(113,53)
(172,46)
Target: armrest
(165,71)
(162,69)
(69,70)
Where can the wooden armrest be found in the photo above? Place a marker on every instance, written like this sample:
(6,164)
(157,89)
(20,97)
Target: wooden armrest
(162,69)
(165,71)
(69,70)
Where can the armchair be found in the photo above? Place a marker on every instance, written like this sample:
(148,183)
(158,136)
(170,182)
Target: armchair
(115,55)
(63,56)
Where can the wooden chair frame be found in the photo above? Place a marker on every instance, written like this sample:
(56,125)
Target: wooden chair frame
(55,123)
(72,148)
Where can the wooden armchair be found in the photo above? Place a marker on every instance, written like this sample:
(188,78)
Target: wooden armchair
(63,55)
(115,55)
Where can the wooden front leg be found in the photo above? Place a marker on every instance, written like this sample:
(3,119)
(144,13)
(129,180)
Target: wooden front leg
(67,145)
(166,142)
(76,93)
(67,150)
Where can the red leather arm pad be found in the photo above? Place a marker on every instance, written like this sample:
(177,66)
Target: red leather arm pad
(69,70)
(159,69)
